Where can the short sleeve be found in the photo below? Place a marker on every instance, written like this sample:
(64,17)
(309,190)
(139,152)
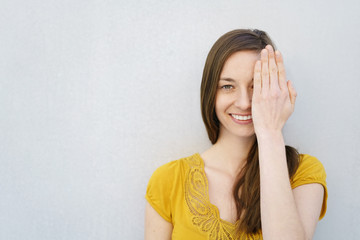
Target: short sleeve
(311,170)
(159,189)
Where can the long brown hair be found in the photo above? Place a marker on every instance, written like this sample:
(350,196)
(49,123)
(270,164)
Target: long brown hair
(246,190)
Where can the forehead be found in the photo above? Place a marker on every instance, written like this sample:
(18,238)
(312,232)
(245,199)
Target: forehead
(240,64)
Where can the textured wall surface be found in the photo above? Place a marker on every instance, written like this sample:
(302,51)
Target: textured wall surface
(96,94)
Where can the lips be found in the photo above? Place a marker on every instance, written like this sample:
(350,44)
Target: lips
(242,117)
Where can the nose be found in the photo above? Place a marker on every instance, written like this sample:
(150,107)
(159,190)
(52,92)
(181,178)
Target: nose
(243,99)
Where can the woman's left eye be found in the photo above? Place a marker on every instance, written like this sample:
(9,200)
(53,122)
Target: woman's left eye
(227,87)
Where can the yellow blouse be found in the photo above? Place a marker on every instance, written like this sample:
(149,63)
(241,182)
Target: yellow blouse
(178,191)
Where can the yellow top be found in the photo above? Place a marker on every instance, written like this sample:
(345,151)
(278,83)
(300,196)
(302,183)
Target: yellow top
(178,191)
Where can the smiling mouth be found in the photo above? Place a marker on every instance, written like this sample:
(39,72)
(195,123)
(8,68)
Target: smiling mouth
(241,118)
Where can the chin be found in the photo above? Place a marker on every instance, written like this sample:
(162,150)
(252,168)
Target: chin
(238,133)
(249,135)
(244,132)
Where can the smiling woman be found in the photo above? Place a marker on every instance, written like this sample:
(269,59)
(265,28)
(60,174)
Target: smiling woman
(248,184)
(235,90)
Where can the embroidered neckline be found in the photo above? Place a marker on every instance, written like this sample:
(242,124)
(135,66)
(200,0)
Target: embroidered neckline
(205,215)
(214,207)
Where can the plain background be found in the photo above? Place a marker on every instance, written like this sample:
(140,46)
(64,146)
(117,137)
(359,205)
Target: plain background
(96,94)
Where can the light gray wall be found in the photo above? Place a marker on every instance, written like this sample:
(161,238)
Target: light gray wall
(96,94)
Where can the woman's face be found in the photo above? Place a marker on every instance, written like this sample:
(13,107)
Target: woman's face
(234,94)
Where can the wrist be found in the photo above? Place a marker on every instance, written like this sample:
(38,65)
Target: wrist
(272,136)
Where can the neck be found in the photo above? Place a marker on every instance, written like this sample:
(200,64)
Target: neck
(229,153)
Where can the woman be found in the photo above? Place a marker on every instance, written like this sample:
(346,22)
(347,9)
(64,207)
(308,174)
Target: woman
(248,185)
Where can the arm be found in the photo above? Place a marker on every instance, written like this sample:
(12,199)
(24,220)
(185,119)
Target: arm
(309,200)
(156,228)
(285,213)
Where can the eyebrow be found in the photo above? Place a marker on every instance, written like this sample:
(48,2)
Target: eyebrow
(227,79)
(230,79)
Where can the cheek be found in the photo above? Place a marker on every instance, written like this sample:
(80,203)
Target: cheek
(221,104)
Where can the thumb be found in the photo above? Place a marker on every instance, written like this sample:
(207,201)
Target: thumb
(293,93)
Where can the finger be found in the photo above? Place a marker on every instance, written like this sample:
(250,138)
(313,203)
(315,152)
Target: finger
(281,70)
(273,70)
(264,71)
(293,93)
(257,78)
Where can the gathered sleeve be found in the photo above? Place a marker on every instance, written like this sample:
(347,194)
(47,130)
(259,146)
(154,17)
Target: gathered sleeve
(311,170)
(159,190)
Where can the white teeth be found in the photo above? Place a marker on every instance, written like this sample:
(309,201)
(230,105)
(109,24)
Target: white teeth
(238,117)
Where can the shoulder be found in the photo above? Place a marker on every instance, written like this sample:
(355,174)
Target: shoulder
(175,167)
(167,169)
(165,184)
(169,173)
(310,169)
